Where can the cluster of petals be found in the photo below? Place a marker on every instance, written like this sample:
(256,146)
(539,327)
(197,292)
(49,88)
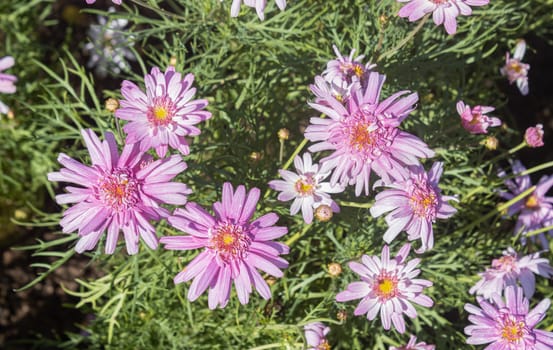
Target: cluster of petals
(414,204)
(117,2)
(413,345)
(508,323)
(119,192)
(163,116)
(475,120)
(7,81)
(387,286)
(259,6)
(510,269)
(315,334)
(364,137)
(443,11)
(515,70)
(234,247)
(535,211)
(533,136)
(306,187)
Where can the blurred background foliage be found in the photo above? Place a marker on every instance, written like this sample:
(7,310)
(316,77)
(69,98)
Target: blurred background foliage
(256,76)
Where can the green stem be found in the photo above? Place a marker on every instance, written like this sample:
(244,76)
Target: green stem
(297,235)
(508,153)
(355,204)
(392,52)
(538,231)
(161,12)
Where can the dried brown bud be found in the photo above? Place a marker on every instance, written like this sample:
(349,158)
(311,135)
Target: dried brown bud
(342,315)
(283,134)
(112,104)
(334,269)
(323,213)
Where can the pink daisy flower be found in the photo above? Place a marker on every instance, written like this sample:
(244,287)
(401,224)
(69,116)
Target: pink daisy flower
(6,81)
(364,136)
(475,120)
(165,114)
(508,324)
(533,136)
(413,345)
(258,4)
(345,71)
(117,2)
(388,286)
(306,187)
(443,11)
(118,193)
(315,334)
(324,90)
(234,247)
(515,70)
(510,269)
(536,210)
(414,204)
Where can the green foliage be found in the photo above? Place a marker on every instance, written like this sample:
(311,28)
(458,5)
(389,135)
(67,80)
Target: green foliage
(256,77)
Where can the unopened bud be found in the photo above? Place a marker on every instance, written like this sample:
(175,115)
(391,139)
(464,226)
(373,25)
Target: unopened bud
(334,269)
(270,280)
(20,214)
(342,315)
(11,115)
(112,104)
(323,213)
(383,19)
(173,61)
(490,143)
(255,156)
(283,134)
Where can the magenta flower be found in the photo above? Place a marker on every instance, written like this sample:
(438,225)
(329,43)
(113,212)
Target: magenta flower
(509,269)
(413,345)
(117,2)
(258,4)
(364,136)
(165,114)
(306,187)
(118,193)
(534,136)
(475,120)
(508,324)
(388,286)
(443,11)
(315,334)
(536,210)
(414,204)
(6,81)
(234,247)
(515,70)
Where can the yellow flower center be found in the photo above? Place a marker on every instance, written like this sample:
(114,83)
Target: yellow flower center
(360,137)
(516,66)
(386,286)
(160,113)
(324,345)
(513,331)
(305,186)
(532,202)
(358,70)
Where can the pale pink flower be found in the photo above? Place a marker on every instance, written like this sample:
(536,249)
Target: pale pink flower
(414,204)
(475,120)
(364,136)
(7,81)
(413,345)
(515,70)
(234,247)
(117,193)
(534,136)
(117,2)
(387,286)
(510,269)
(508,324)
(258,4)
(163,116)
(345,71)
(306,187)
(315,334)
(443,11)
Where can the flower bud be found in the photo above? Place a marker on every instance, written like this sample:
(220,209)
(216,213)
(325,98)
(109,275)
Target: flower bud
(334,269)
(323,213)
(342,315)
(490,143)
(112,104)
(534,136)
(283,134)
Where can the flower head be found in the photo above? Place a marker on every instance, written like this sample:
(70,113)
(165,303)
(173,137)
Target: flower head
(344,71)
(515,70)
(389,286)
(413,345)
(510,269)
(110,46)
(165,114)
(117,2)
(534,136)
(443,11)
(306,187)
(475,120)
(117,193)
(234,247)
(507,323)
(6,81)
(414,204)
(258,4)
(534,211)
(364,136)
(315,334)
